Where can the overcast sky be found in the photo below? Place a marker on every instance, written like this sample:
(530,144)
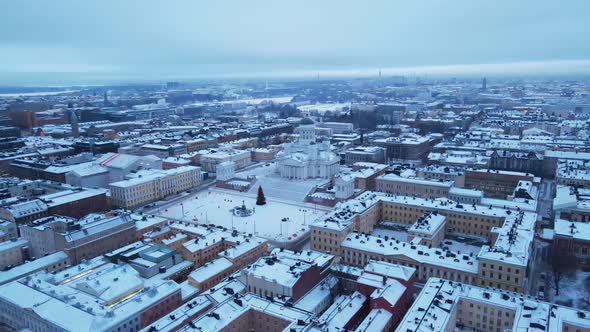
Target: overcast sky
(77,41)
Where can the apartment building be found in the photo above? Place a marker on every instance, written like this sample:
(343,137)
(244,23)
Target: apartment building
(211,273)
(196,144)
(359,249)
(286,274)
(151,260)
(445,305)
(429,229)
(408,147)
(249,313)
(243,143)
(163,151)
(571,239)
(337,127)
(460,158)
(68,201)
(345,313)
(366,154)
(147,186)
(517,161)
(173,162)
(203,244)
(13,253)
(444,173)
(263,154)
(86,238)
(210,158)
(571,172)
(466,196)
(24,211)
(503,264)
(553,156)
(388,288)
(496,183)
(110,167)
(8,230)
(108,297)
(148,223)
(412,186)
(365,175)
(570,203)
(380,296)
(215,252)
(51,263)
(182,315)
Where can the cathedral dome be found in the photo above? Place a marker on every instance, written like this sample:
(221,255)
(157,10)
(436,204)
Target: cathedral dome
(306,121)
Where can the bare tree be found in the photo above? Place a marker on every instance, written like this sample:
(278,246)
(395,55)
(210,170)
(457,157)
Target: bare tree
(561,264)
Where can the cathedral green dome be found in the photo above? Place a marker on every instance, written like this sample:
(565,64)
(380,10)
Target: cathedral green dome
(306,121)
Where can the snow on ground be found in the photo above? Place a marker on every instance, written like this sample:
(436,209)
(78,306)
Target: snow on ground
(323,108)
(461,247)
(573,290)
(214,207)
(468,239)
(392,230)
(400,232)
(277,187)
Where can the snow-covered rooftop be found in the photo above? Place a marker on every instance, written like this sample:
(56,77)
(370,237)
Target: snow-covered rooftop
(285,267)
(417,252)
(376,321)
(225,313)
(572,229)
(341,311)
(415,180)
(25,269)
(95,299)
(434,309)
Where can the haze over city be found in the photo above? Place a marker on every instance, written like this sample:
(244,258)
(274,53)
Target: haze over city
(85,42)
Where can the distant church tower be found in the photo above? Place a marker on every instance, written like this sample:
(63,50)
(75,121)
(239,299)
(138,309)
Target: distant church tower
(105,100)
(484,84)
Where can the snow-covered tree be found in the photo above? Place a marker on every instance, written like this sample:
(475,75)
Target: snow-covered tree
(260,199)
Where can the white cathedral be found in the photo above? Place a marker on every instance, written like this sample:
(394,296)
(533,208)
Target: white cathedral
(304,158)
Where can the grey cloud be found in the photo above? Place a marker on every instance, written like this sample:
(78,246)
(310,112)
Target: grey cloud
(157,39)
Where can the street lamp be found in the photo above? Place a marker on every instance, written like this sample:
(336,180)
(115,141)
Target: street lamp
(284,237)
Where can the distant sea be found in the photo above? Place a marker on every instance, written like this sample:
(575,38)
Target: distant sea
(36,93)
